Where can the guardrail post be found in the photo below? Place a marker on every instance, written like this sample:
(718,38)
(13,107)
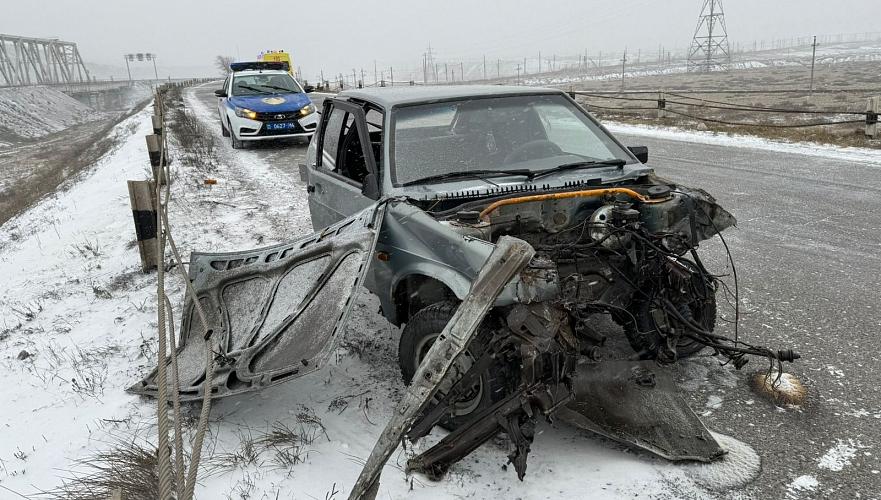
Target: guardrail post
(142,197)
(873,107)
(157,124)
(154,150)
(662,106)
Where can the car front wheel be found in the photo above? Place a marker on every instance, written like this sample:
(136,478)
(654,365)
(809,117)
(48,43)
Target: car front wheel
(234,141)
(417,338)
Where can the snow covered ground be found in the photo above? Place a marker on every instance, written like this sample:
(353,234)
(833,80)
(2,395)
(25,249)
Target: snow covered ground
(826,54)
(78,321)
(29,112)
(862,155)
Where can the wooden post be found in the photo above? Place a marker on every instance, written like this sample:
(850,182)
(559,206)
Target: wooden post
(143,200)
(662,106)
(873,107)
(154,149)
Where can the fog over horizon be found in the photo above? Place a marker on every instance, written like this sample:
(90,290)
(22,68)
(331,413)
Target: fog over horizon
(187,36)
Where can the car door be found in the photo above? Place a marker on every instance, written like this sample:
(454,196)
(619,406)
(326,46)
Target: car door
(340,180)
(221,101)
(275,313)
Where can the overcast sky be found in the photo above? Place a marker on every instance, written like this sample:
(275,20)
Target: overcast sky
(339,35)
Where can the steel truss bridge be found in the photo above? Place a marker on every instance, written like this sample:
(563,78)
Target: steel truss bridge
(40,61)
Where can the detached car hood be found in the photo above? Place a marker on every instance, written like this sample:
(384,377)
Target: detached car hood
(274,313)
(271,103)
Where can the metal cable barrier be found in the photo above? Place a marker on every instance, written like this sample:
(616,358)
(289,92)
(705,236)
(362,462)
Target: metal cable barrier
(868,117)
(176,482)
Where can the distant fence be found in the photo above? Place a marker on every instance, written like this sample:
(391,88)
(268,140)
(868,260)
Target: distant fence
(681,104)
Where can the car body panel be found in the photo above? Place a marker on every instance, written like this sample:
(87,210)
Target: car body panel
(276,313)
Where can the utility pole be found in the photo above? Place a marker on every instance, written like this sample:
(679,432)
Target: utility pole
(155,73)
(517,81)
(446,73)
(498,68)
(484,66)
(813,57)
(539,61)
(623,65)
(462,71)
(127,68)
(374,71)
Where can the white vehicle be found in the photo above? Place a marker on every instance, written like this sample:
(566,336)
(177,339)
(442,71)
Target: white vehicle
(260,101)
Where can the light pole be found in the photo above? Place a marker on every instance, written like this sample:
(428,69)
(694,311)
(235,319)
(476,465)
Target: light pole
(155,72)
(127,58)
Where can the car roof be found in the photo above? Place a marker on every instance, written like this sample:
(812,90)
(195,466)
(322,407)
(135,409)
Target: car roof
(260,72)
(388,97)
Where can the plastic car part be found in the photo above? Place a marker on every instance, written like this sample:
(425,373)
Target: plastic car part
(636,402)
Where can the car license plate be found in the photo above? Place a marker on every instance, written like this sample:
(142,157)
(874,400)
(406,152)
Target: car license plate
(280,126)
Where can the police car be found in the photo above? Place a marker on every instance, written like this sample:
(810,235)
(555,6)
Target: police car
(261,100)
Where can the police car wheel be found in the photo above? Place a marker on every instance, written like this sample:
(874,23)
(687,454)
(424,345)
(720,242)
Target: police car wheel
(236,143)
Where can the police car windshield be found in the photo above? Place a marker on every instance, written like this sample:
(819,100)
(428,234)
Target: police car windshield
(258,84)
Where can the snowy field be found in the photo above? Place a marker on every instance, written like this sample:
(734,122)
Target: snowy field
(28,112)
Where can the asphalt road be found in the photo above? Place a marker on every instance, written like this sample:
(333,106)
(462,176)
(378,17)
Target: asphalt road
(808,251)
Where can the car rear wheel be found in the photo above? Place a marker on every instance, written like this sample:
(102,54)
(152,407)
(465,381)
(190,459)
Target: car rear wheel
(417,338)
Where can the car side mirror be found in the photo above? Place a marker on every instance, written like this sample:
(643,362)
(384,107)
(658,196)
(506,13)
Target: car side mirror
(370,187)
(220,93)
(309,89)
(640,152)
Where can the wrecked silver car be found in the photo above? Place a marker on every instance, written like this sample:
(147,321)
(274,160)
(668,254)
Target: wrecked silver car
(537,267)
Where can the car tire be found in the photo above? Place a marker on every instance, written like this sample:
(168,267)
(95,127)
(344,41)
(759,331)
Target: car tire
(235,142)
(643,337)
(223,130)
(419,334)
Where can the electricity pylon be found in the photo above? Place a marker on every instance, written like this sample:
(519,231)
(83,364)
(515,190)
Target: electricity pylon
(709,47)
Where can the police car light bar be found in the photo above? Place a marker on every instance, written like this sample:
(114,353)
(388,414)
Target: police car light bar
(259,65)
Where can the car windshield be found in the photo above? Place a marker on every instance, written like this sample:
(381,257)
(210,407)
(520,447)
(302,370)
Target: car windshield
(534,133)
(258,84)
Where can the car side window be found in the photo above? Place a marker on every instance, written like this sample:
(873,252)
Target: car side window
(341,149)
(225,87)
(374,130)
(330,142)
